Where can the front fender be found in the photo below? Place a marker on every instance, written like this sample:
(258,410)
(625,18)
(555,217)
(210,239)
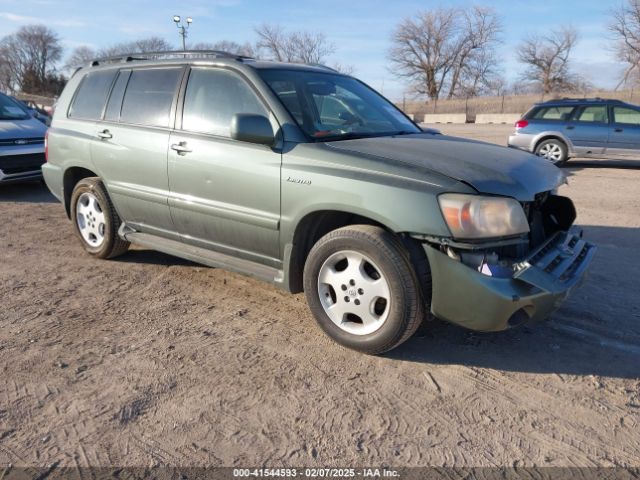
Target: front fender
(316,180)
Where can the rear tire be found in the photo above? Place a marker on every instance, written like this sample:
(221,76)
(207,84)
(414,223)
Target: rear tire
(362,289)
(95,220)
(554,150)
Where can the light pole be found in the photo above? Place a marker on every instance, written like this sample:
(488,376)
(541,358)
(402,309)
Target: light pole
(182,28)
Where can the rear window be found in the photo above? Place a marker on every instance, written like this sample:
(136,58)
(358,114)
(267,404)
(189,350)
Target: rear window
(92,95)
(552,113)
(149,96)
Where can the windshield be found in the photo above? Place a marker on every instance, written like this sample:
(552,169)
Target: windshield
(332,107)
(10,110)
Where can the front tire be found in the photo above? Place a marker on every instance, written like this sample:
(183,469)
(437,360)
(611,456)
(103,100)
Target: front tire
(95,220)
(554,150)
(362,289)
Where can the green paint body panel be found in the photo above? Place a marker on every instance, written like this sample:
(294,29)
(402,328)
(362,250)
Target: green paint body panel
(247,200)
(465,296)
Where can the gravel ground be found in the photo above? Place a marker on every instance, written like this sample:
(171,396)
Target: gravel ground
(150,360)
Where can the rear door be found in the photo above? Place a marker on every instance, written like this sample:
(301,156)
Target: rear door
(588,129)
(131,146)
(225,194)
(624,135)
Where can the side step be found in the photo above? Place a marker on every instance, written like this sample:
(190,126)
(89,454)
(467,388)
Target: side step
(205,257)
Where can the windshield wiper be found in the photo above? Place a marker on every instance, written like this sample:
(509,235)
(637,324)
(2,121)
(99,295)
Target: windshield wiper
(345,136)
(404,132)
(355,135)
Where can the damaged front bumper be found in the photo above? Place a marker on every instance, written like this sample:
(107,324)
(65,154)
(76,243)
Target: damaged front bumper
(536,286)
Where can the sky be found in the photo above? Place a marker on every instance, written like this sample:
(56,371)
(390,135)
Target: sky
(359,29)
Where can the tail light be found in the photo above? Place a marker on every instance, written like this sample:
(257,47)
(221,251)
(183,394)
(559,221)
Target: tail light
(46,146)
(521,124)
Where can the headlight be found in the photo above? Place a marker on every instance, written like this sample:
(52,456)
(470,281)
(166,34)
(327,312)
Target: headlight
(473,216)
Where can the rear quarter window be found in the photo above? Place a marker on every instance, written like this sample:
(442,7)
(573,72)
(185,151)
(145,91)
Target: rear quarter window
(91,96)
(149,96)
(552,113)
(626,116)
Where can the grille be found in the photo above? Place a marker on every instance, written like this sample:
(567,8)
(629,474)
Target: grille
(21,163)
(29,141)
(562,256)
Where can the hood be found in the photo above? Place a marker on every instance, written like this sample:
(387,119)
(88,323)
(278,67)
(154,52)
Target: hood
(487,168)
(28,128)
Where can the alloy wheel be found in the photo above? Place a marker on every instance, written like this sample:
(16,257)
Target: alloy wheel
(353,292)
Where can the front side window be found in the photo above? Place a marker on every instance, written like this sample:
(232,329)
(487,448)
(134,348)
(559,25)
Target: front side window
(149,95)
(594,114)
(627,116)
(92,95)
(553,113)
(213,97)
(330,106)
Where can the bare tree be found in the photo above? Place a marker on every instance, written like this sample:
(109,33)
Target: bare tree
(625,27)
(6,74)
(245,49)
(438,49)
(480,76)
(547,60)
(80,56)
(142,45)
(297,47)
(33,52)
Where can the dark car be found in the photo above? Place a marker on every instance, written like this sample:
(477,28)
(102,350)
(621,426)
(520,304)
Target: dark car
(21,142)
(35,111)
(561,129)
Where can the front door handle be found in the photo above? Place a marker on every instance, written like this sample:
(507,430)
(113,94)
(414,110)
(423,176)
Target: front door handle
(570,127)
(181,148)
(618,130)
(105,134)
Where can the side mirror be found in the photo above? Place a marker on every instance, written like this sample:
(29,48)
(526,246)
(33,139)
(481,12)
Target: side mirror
(248,127)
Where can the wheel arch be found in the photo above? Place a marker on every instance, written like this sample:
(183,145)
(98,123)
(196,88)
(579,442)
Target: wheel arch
(72,176)
(553,136)
(313,226)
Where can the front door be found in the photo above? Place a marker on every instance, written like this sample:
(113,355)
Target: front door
(225,194)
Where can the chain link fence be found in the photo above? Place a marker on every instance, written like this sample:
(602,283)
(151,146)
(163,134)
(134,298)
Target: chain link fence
(505,103)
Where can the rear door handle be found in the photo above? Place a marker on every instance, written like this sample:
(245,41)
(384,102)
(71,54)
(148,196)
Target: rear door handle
(570,127)
(105,134)
(181,148)
(618,130)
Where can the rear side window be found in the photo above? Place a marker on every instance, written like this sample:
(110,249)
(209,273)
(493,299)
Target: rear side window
(92,95)
(628,116)
(553,113)
(149,96)
(213,97)
(594,114)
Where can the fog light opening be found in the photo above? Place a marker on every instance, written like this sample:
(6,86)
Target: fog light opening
(518,318)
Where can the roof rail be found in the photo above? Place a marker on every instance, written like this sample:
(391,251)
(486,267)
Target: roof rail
(320,65)
(131,57)
(577,100)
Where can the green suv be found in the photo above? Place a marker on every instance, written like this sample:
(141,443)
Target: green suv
(309,179)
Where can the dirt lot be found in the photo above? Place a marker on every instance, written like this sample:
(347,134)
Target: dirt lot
(150,360)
